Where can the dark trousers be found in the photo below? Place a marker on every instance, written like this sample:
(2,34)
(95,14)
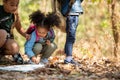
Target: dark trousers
(72,23)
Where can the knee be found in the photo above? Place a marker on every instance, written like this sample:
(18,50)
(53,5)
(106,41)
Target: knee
(53,46)
(70,39)
(11,47)
(3,36)
(14,48)
(3,32)
(37,48)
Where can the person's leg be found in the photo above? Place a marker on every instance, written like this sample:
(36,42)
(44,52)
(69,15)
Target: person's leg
(11,47)
(47,52)
(72,23)
(3,37)
(37,48)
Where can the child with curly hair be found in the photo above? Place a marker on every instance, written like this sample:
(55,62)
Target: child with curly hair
(42,36)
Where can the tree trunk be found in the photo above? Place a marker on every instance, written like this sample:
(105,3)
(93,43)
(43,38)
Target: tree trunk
(114,28)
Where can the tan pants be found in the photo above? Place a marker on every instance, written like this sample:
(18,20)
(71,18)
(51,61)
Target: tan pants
(45,50)
(7,46)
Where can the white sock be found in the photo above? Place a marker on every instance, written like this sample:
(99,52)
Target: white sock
(68,58)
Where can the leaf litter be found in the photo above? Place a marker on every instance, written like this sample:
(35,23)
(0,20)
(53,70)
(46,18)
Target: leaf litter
(89,69)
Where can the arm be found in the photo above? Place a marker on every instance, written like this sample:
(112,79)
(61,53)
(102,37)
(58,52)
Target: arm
(29,45)
(18,26)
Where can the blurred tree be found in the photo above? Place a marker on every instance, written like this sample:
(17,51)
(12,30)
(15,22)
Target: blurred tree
(94,21)
(114,26)
(113,23)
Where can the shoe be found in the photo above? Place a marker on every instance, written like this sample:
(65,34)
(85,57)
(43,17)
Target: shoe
(72,62)
(45,61)
(18,58)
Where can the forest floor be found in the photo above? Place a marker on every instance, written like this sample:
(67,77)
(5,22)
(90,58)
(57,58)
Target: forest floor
(88,69)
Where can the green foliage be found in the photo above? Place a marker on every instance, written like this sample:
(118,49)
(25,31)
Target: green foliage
(26,8)
(104,24)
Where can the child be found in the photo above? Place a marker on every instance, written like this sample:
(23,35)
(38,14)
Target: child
(71,9)
(9,17)
(42,36)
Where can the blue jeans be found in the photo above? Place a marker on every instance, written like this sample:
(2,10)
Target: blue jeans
(72,23)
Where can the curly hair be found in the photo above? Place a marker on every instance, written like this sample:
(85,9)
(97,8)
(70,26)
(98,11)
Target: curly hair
(47,21)
(37,17)
(52,20)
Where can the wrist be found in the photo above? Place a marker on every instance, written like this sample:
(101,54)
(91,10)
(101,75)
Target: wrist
(24,35)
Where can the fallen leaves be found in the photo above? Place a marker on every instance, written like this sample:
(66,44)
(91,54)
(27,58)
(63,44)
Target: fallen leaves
(89,69)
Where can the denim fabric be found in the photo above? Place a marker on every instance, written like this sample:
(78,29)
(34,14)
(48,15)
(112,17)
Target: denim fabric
(64,7)
(29,45)
(76,7)
(72,23)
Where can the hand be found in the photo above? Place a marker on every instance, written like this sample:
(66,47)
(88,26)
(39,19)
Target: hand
(35,60)
(27,36)
(48,42)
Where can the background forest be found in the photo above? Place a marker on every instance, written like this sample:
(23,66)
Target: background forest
(96,48)
(94,33)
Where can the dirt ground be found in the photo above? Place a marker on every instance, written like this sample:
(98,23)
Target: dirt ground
(88,69)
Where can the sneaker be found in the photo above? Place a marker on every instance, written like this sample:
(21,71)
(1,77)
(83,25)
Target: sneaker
(45,61)
(72,62)
(18,58)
